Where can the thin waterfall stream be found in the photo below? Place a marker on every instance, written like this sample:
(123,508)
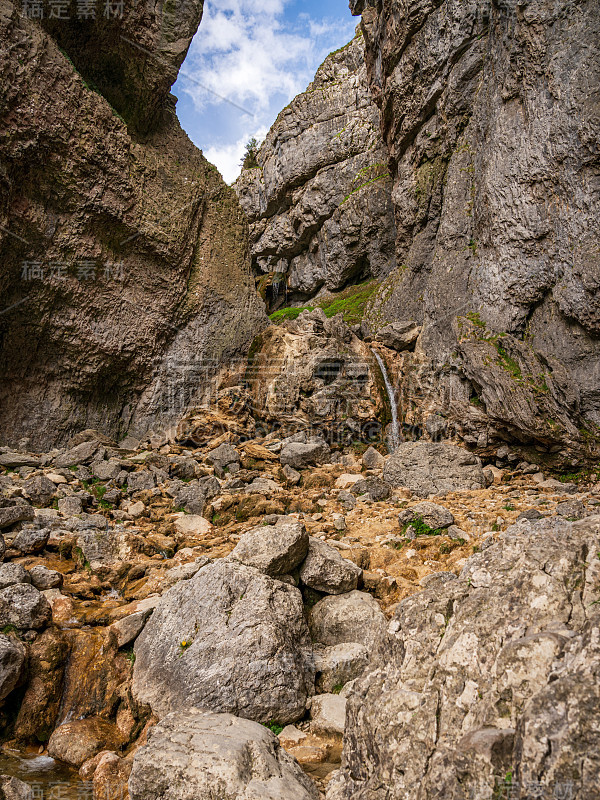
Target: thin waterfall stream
(392,398)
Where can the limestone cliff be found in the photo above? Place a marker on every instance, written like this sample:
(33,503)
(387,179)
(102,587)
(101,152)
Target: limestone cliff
(318,200)
(123,255)
(490,114)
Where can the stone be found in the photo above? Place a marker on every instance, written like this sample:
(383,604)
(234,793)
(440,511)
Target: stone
(347,480)
(43,578)
(40,490)
(571,509)
(106,470)
(126,630)
(300,454)
(325,570)
(58,480)
(12,514)
(81,454)
(194,495)
(18,460)
(346,500)
(291,475)
(493,475)
(436,427)
(351,617)
(399,335)
(372,459)
(431,514)
(77,741)
(247,647)
(200,755)
(12,658)
(12,788)
(70,506)
(111,776)
(31,540)
(339,664)
(291,736)
(193,525)
(136,510)
(374,487)
(223,455)
(12,573)
(486,667)
(273,549)
(23,606)
(142,481)
(328,714)
(427,468)
(530,513)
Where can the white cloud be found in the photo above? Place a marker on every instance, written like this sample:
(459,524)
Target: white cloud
(258,56)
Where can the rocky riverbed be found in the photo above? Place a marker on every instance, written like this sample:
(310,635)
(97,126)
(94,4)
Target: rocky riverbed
(252,577)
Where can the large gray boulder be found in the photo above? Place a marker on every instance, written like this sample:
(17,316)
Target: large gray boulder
(273,549)
(302,454)
(12,657)
(40,490)
(230,639)
(491,674)
(199,755)
(352,617)
(427,468)
(433,515)
(325,570)
(23,606)
(12,514)
(11,573)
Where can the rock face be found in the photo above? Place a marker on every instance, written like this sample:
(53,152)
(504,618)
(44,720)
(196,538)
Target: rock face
(230,639)
(12,656)
(493,139)
(489,675)
(124,285)
(319,200)
(197,755)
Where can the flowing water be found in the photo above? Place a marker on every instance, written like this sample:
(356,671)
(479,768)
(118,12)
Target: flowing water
(395,433)
(49,779)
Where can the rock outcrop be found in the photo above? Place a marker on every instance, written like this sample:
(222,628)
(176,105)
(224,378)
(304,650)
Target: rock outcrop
(490,116)
(124,281)
(487,680)
(318,199)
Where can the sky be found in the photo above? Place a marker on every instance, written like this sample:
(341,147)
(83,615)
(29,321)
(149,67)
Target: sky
(247,61)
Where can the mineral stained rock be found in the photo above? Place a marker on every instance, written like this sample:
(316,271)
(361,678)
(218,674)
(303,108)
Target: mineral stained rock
(124,278)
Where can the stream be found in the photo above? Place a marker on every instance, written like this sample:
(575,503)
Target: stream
(49,779)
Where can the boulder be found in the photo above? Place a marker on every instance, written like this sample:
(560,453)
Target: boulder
(352,617)
(374,487)
(193,496)
(428,468)
(328,714)
(273,549)
(303,454)
(571,509)
(292,476)
(199,755)
(43,578)
(399,335)
(339,664)
(141,481)
(372,459)
(13,789)
(325,570)
(12,514)
(230,639)
(70,506)
(223,455)
(106,470)
(31,540)
(77,741)
(24,607)
(430,514)
(40,490)
(12,657)
(126,630)
(193,525)
(489,674)
(81,454)
(12,573)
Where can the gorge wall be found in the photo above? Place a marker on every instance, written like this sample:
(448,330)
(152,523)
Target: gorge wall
(318,199)
(124,273)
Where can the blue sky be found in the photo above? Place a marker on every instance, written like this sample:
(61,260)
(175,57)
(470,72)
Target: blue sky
(258,54)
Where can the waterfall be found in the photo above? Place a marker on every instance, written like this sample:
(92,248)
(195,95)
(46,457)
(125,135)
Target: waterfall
(392,398)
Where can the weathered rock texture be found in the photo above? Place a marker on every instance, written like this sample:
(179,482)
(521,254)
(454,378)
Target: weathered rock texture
(123,252)
(485,676)
(231,639)
(319,200)
(491,119)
